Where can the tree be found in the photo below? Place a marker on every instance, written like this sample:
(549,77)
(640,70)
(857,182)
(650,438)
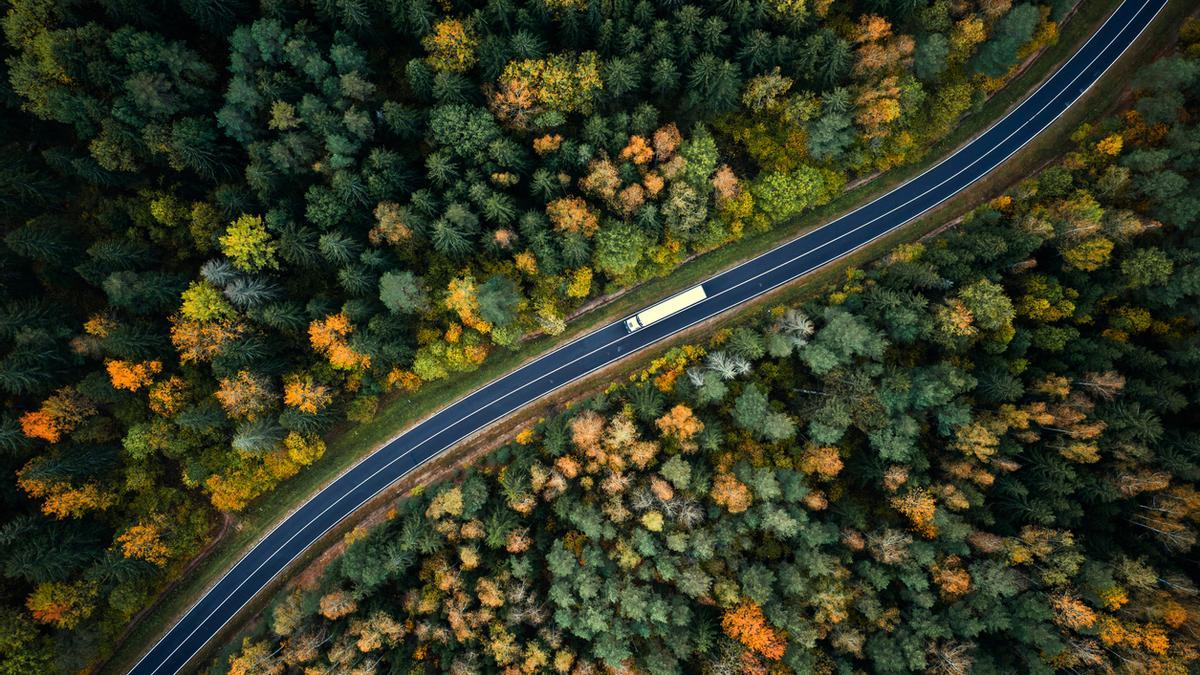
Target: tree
(196,145)
(750,408)
(781,195)
(572,214)
(714,84)
(727,366)
(254,657)
(249,293)
(700,152)
(561,83)
(452,237)
(499,300)
(830,135)
(991,309)
(247,242)
(664,77)
(730,493)
(329,337)
(203,301)
(619,249)
(843,337)
(131,376)
(1088,254)
(41,240)
(680,423)
(684,210)
(451,46)
(244,395)
(677,471)
(1146,267)
(746,624)
(777,426)
(403,292)
(825,58)
(144,541)
(22,646)
(930,60)
(1165,78)
(1013,30)
(306,394)
(621,76)
(58,415)
(763,92)
(62,605)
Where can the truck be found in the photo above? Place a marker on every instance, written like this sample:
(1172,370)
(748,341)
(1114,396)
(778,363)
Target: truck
(662,310)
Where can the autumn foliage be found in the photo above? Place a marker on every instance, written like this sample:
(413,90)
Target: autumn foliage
(232,228)
(62,605)
(244,395)
(560,82)
(58,415)
(144,541)
(572,214)
(132,376)
(305,394)
(746,624)
(680,423)
(451,46)
(328,336)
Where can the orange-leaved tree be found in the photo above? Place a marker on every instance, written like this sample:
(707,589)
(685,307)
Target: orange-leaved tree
(58,415)
(329,337)
(131,375)
(746,624)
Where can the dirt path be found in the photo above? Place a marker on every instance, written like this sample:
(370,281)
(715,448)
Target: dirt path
(227,523)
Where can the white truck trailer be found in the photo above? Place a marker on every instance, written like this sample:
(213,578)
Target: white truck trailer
(666,308)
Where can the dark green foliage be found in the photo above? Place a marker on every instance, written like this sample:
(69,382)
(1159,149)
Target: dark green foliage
(230,226)
(969,451)
(498,300)
(402,292)
(930,59)
(1011,31)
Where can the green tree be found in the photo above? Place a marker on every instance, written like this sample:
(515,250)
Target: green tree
(619,249)
(1012,30)
(991,307)
(750,408)
(779,196)
(929,62)
(777,426)
(1146,267)
(499,300)
(843,337)
(403,292)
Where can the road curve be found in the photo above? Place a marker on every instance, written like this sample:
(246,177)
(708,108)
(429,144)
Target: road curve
(602,347)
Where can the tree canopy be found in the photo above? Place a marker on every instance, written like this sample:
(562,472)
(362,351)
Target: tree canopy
(228,228)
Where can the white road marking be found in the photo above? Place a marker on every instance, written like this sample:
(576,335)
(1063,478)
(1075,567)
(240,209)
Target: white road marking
(668,335)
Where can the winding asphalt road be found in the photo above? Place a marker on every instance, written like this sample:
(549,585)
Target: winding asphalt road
(610,343)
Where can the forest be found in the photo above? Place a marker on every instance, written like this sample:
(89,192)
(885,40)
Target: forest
(977,454)
(229,227)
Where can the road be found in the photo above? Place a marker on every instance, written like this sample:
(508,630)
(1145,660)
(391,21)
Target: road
(598,349)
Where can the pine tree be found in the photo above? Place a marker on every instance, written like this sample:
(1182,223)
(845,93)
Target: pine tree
(42,240)
(257,437)
(714,84)
(251,292)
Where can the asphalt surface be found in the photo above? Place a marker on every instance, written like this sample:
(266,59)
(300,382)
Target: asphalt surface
(604,346)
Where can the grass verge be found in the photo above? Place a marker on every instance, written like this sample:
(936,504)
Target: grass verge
(349,444)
